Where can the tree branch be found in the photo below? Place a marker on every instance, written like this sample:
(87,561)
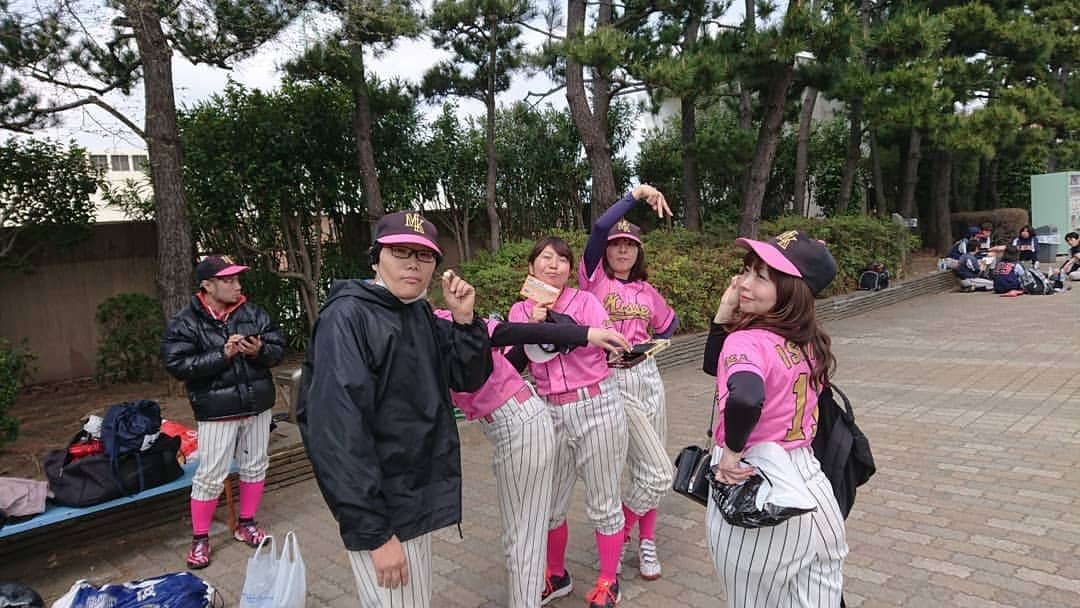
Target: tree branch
(541,96)
(539,31)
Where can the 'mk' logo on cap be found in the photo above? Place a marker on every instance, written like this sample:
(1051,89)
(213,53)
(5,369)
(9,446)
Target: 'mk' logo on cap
(622,226)
(787,238)
(414,221)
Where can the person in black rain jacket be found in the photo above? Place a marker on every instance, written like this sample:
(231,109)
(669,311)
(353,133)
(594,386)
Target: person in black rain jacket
(375,411)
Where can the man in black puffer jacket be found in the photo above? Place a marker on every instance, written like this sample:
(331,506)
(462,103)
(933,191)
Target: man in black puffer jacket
(375,410)
(223,347)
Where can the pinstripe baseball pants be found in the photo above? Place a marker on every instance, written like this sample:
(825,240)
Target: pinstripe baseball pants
(524,441)
(590,443)
(646,420)
(417,594)
(220,441)
(797,564)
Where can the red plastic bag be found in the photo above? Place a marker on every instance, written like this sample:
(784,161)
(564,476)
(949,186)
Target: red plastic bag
(189,437)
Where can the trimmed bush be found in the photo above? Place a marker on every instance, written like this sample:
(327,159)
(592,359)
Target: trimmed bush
(691,270)
(131,329)
(1007,223)
(16,365)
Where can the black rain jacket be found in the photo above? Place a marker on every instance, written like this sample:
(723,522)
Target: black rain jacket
(376,416)
(193,350)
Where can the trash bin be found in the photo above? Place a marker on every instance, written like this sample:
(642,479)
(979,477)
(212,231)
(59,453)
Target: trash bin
(1049,239)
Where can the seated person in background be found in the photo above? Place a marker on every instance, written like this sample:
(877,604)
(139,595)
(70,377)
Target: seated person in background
(983,236)
(960,248)
(1027,246)
(1009,273)
(1071,267)
(967,270)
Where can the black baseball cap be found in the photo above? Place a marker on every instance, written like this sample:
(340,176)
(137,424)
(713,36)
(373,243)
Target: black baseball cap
(798,255)
(217,266)
(625,230)
(407,227)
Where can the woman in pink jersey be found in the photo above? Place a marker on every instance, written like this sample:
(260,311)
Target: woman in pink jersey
(613,269)
(590,428)
(518,425)
(774,361)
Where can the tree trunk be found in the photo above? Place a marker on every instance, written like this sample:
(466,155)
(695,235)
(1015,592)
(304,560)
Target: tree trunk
(746,111)
(361,124)
(768,136)
(881,207)
(940,229)
(802,150)
(495,224)
(982,197)
(166,157)
(688,143)
(911,175)
(851,162)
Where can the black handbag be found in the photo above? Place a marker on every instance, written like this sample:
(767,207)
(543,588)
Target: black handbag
(692,468)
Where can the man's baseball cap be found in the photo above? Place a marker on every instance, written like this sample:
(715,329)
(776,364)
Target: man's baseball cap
(625,230)
(407,227)
(798,255)
(217,266)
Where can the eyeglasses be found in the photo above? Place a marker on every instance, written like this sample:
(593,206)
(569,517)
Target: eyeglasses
(422,255)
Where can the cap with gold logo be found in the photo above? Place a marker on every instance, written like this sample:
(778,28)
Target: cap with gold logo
(217,266)
(625,230)
(407,227)
(797,254)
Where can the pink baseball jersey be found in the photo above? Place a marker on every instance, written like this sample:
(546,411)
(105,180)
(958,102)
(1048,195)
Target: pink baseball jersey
(632,307)
(502,384)
(789,414)
(580,367)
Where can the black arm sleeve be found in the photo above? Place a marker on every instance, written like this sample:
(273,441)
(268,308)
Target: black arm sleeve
(746,395)
(713,345)
(509,334)
(517,357)
(185,358)
(467,349)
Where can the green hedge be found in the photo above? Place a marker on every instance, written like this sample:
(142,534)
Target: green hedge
(16,366)
(691,270)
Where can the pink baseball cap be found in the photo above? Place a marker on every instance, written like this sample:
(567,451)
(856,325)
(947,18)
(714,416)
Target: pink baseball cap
(217,266)
(798,255)
(625,230)
(407,227)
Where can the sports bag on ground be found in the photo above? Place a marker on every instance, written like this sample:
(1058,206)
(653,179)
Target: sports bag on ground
(1036,283)
(841,448)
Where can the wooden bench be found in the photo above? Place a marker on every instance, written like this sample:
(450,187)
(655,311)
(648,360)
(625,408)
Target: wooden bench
(168,503)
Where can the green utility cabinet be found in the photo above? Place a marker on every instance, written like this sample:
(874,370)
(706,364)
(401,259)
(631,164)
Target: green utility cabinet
(1055,201)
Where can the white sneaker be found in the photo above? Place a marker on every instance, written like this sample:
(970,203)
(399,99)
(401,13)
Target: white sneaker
(648,562)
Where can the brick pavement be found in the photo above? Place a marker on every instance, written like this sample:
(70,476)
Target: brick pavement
(972,403)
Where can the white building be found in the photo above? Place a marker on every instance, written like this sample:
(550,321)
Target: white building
(123,168)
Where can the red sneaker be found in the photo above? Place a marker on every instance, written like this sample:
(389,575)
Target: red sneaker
(604,595)
(199,555)
(250,534)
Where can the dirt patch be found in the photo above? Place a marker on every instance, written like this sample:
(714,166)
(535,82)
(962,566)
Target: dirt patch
(51,414)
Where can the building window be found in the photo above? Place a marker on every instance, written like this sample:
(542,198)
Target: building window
(99,161)
(120,163)
(139,162)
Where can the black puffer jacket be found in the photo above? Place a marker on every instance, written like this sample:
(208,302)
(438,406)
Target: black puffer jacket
(375,412)
(193,350)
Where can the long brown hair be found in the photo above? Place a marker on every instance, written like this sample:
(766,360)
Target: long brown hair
(793,317)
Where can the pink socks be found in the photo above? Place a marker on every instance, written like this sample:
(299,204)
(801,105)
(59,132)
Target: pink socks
(250,495)
(202,513)
(609,546)
(556,549)
(631,520)
(647,525)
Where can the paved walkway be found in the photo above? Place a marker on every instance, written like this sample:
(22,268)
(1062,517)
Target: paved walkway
(972,403)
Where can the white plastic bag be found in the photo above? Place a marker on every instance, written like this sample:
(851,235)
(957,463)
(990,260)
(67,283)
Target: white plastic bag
(290,584)
(262,569)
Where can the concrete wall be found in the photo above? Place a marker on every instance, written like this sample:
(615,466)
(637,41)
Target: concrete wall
(54,307)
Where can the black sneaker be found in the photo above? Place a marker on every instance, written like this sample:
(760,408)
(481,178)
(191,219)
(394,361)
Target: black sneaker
(556,587)
(604,595)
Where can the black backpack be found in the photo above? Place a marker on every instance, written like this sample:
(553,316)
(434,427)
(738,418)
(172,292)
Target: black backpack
(92,480)
(123,430)
(875,277)
(841,448)
(1036,283)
